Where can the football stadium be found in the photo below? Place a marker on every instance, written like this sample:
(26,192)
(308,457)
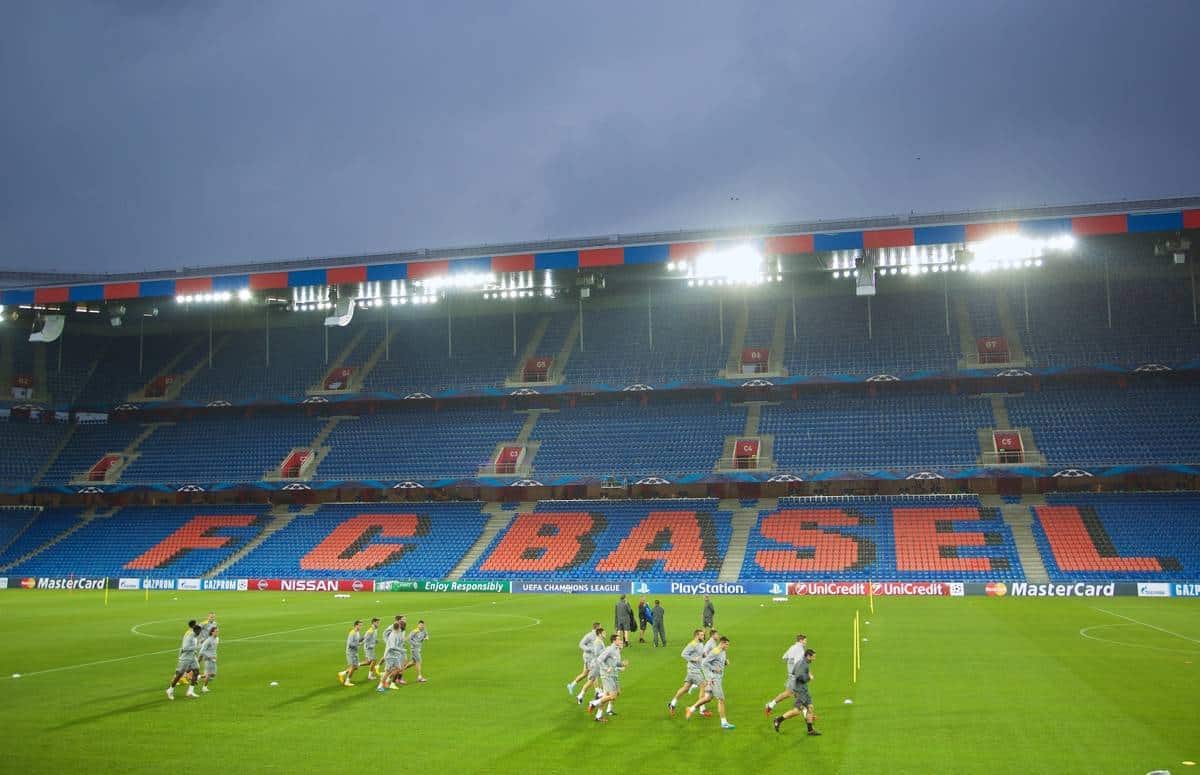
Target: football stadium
(959,453)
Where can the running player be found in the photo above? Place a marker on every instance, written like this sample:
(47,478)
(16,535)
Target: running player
(419,636)
(368,644)
(610,664)
(713,670)
(710,645)
(393,657)
(208,653)
(353,639)
(692,654)
(790,657)
(804,705)
(591,669)
(585,646)
(209,624)
(187,660)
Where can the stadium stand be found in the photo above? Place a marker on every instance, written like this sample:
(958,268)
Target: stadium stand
(88,443)
(617,348)
(453,442)
(26,448)
(907,333)
(1098,425)
(49,524)
(854,431)
(931,538)
(649,539)
(219,449)
(149,542)
(420,540)
(623,439)
(1134,536)
(419,361)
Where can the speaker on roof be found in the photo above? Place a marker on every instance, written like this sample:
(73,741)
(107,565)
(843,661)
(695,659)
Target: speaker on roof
(343,313)
(864,284)
(48,328)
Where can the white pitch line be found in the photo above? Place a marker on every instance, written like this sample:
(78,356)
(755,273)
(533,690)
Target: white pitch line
(1145,624)
(1086,632)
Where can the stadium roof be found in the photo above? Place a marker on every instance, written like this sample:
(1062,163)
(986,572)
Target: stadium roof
(1126,217)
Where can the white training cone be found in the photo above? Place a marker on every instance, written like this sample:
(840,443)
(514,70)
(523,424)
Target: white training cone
(16,675)
(274,683)
(847,701)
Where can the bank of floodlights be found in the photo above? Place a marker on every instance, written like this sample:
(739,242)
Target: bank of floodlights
(738,265)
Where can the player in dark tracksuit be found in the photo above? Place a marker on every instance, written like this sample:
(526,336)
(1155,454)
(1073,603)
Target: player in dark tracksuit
(804,705)
(709,612)
(660,632)
(623,615)
(645,619)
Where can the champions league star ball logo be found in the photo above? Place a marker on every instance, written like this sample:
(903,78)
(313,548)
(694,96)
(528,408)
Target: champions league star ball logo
(996,589)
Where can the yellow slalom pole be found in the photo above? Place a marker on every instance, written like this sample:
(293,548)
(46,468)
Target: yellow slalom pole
(857,643)
(871,596)
(853,654)
(106,592)
(147,594)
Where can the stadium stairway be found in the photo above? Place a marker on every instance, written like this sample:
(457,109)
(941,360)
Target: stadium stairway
(559,368)
(170,368)
(516,377)
(743,521)
(1012,334)
(531,447)
(34,513)
(775,359)
(766,442)
(85,518)
(733,362)
(280,516)
(124,458)
(499,518)
(317,448)
(1030,453)
(1019,518)
(968,349)
(53,456)
(355,381)
(175,388)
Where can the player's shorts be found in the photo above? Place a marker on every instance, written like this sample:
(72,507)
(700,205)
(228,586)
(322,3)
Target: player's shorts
(803,698)
(609,684)
(392,663)
(789,685)
(587,660)
(187,664)
(416,655)
(369,653)
(352,658)
(694,677)
(210,667)
(716,688)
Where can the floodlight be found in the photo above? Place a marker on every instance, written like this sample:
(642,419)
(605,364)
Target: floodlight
(244,294)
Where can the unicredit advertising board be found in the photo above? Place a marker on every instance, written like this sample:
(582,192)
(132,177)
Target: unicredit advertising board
(885,588)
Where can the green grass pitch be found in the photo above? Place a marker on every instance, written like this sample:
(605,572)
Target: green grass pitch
(960,685)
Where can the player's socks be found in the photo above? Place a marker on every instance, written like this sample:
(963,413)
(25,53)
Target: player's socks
(571,688)
(170,692)
(191,692)
(671,703)
(810,726)
(610,707)
(342,677)
(687,714)
(771,705)
(726,725)
(778,722)
(599,714)
(704,708)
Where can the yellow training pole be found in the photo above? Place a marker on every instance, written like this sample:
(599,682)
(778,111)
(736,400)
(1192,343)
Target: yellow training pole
(106,592)
(871,596)
(853,649)
(857,643)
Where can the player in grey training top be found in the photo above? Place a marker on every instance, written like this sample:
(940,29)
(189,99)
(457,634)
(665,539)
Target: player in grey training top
(609,664)
(393,657)
(353,641)
(713,669)
(208,653)
(585,647)
(368,644)
(692,655)
(794,654)
(591,669)
(419,636)
(209,624)
(187,664)
(804,706)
